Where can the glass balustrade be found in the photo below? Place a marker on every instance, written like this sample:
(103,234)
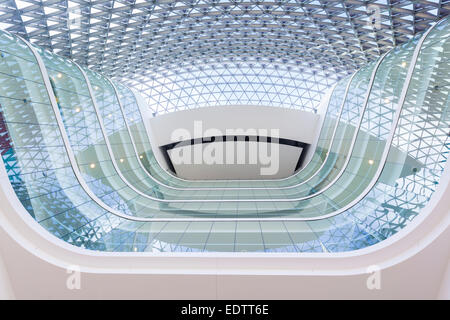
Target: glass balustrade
(90,149)
(365,195)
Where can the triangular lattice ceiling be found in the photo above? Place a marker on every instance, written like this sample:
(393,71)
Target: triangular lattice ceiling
(184,54)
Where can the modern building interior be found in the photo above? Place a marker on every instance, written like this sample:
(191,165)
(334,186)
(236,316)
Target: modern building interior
(236,149)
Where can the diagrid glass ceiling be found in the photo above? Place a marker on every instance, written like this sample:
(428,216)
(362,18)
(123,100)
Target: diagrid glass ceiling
(186,54)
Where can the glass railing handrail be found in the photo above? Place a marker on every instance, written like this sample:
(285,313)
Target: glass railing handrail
(254,199)
(268,188)
(125,179)
(370,229)
(183,201)
(240,200)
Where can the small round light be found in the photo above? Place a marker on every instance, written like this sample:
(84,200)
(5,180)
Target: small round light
(109,115)
(141,156)
(387,100)
(92,165)
(78,109)
(121,160)
(59,75)
(371,162)
(403,64)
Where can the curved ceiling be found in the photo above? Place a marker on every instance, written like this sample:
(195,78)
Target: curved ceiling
(185,54)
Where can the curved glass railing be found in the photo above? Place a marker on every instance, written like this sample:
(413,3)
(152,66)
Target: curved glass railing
(86,139)
(92,142)
(136,130)
(353,212)
(172,205)
(126,153)
(99,147)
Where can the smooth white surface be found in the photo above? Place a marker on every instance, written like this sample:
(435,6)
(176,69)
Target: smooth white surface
(6,291)
(283,166)
(444,292)
(293,124)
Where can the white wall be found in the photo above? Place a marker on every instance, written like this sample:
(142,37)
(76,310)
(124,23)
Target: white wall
(293,124)
(276,167)
(6,291)
(444,290)
(5,282)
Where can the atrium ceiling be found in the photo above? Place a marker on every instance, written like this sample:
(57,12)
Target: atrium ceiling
(185,54)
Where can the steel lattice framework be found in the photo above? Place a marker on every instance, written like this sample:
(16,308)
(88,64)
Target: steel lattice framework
(184,54)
